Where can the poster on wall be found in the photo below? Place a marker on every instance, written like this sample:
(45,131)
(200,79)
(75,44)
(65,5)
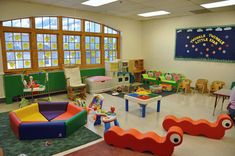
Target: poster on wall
(209,44)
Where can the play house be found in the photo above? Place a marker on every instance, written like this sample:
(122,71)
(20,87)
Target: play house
(47,120)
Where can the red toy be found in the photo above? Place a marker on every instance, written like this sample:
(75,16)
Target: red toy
(137,141)
(200,127)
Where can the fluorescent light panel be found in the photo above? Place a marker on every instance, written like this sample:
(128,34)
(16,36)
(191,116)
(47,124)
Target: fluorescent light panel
(218,4)
(96,3)
(154,13)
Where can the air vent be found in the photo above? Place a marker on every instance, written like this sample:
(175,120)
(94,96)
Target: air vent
(201,11)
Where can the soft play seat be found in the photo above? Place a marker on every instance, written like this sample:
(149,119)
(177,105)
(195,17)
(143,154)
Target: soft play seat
(30,114)
(38,121)
(71,111)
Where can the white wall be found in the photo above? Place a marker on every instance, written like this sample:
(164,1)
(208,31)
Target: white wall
(131,29)
(159,47)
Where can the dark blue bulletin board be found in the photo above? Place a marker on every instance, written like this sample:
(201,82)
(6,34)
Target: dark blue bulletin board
(210,44)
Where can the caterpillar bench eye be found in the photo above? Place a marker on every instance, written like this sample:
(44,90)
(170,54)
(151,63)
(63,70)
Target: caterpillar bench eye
(175,138)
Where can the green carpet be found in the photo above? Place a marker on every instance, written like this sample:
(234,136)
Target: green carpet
(13,147)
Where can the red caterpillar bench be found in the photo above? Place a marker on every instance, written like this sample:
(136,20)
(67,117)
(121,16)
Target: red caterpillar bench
(203,127)
(151,142)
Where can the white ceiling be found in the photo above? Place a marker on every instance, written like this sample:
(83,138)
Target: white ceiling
(130,8)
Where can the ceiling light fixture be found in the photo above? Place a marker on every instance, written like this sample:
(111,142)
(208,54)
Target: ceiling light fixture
(218,4)
(154,13)
(96,3)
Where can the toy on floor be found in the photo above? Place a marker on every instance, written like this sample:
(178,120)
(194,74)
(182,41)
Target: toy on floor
(47,120)
(107,117)
(216,85)
(97,102)
(200,127)
(110,117)
(151,142)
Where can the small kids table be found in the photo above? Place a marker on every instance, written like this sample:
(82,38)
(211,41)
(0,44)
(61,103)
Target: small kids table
(142,100)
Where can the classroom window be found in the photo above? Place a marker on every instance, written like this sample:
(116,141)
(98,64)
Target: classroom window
(46,23)
(108,30)
(71,47)
(35,43)
(17,50)
(47,50)
(21,23)
(71,24)
(110,48)
(92,49)
(92,27)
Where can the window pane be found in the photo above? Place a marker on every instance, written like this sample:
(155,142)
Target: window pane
(7,23)
(71,24)
(92,49)
(65,23)
(92,27)
(16,23)
(53,23)
(47,50)
(110,47)
(71,43)
(108,30)
(8,37)
(46,24)
(38,22)
(25,23)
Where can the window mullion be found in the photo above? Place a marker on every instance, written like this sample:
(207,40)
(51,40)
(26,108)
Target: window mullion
(60,43)
(33,45)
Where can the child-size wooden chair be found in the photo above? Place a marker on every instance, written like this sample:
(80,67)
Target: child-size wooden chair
(201,85)
(216,85)
(185,85)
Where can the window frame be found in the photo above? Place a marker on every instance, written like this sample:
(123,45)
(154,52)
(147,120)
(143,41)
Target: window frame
(33,31)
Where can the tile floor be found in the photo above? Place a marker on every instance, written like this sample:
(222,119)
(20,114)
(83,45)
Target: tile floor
(195,105)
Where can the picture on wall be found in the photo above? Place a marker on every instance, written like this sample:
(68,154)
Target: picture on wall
(209,44)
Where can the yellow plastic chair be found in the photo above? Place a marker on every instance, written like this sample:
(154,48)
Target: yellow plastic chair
(185,85)
(216,85)
(201,85)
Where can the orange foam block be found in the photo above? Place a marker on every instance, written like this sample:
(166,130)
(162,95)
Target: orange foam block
(151,142)
(203,127)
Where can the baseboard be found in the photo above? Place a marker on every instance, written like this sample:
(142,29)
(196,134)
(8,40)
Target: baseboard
(2,100)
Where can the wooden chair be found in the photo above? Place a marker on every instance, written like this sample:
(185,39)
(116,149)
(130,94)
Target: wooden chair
(201,85)
(75,87)
(185,85)
(216,85)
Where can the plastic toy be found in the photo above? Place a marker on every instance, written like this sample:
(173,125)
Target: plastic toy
(108,117)
(166,87)
(151,142)
(216,85)
(47,120)
(156,89)
(96,102)
(200,127)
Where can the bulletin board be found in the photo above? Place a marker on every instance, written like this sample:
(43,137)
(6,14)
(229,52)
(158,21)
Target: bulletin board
(207,44)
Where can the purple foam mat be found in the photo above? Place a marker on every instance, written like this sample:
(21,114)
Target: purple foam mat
(50,115)
(52,106)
